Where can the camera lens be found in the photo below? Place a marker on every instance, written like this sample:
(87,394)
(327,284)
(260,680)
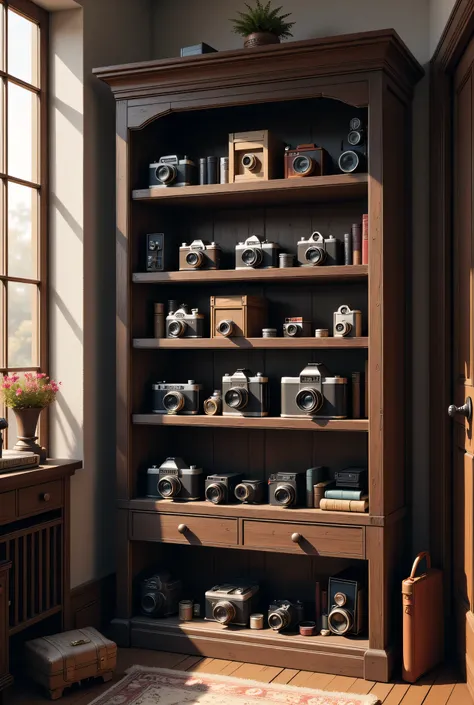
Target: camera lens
(285,495)
(215,492)
(210,407)
(176,329)
(173,402)
(279,619)
(354,137)
(340,599)
(166,173)
(223,612)
(250,162)
(309,400)
(343,328)
(252,257)
(355,124)
(236,398)
(225,328)
(348,162)
(339,621)
(169,486)
(315,255)
(194,258)
(292,330)
(242,492)
(304,166)
(152,602)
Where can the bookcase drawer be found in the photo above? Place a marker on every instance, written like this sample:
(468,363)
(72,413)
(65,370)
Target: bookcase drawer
(40,498)
(175,528)
(7,506)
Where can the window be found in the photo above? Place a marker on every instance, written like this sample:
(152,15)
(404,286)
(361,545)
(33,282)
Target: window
(23,193)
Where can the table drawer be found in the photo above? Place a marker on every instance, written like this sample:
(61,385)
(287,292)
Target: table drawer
(176,528)
(7,506)
(312,539)
(40,498)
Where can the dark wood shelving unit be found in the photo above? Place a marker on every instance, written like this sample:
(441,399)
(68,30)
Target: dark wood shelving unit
(189,107)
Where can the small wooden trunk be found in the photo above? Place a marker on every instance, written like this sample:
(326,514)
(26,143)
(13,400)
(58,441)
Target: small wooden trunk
(246,313)
(58,661)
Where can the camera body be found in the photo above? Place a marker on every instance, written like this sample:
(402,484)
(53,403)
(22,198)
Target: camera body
(317,250)
(220,487)
(251,492)
(182,324)
(305,160)
(176,398)
(172,170)
(315,394)
(287,489)
(347,323)
(244,394)
(256,253)
(285,615)
(175,479)
(346,597)
(231,604)
(160,595)
(199,255)
(295,327)
(157,255)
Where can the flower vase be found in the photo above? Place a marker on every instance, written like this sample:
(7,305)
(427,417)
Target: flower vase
(27,421)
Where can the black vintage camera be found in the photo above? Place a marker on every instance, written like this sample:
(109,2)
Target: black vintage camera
(231,604)
(182,324)
(346,603)
(252,492)
(160,595)
(256,253)
(172,170)
(3,426)
(285,615)
(175,479)
(244,394)
(176,398)
(287,489)
(220,488)
(157,255)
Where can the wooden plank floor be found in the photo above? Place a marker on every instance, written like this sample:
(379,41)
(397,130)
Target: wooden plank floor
(438,688)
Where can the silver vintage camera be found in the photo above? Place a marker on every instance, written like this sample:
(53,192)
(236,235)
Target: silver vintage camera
(295,327)
(315,394)
(347,323)
(256,253)
(176,398)
(182,324)
(175,479)
(172,170)
(317,250)
(231,604)
(244,394)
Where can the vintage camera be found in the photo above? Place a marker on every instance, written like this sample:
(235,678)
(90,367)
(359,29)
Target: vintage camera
(305,160)
(244,394)
(287,489)
(199,255)
(347,323)
(231,604)
(346,603)
(285,615)
(159,595)
(295,327)
(182,324)
(315,394)
(3,426)
(176,398)
(256,253)
(157,255)
(356,136)
(251,492)
(172,170)
(220,488)
(213,405)
(175,479)
(317,250)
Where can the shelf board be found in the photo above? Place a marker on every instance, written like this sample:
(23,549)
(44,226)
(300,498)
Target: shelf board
(338,187)
(250,511)
(247,343)
(268,422)
(313,275)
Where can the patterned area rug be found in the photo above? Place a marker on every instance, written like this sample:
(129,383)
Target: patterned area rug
(159,686)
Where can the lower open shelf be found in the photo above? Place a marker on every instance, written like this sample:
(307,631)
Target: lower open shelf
(331,654)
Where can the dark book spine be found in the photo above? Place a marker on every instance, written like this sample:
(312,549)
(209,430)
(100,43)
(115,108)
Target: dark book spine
(356,396)
(212,170)
(347,248)
(356,243)
(203,171)
(365,239)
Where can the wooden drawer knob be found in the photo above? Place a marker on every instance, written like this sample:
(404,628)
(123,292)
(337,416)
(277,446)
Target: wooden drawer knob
(182,528)
(45,497)
(296,538)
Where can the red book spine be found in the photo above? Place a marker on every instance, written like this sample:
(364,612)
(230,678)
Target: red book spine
(365,238)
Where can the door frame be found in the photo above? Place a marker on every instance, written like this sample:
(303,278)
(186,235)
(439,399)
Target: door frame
(452,45)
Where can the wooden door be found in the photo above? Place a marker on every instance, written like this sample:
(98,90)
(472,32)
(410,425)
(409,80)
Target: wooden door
(462,356)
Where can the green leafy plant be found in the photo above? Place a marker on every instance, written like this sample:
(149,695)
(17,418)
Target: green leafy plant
(262,18)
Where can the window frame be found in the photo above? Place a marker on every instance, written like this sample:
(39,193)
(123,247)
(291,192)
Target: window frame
(40,17)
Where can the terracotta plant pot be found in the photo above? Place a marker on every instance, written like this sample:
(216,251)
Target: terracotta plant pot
(258,39)
(27,421)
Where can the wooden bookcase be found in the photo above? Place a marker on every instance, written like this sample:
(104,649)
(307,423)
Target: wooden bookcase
(304,91)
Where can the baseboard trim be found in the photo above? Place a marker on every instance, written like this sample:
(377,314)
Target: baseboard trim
(93,603)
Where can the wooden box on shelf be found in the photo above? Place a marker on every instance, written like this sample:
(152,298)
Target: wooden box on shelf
(237,316)
(253,156)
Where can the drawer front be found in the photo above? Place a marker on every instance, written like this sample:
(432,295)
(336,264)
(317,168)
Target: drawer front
(175,528)
(40,498)
(312,539)
(7,506)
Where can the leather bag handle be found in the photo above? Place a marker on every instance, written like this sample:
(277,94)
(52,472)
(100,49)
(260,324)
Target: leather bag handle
(417,561)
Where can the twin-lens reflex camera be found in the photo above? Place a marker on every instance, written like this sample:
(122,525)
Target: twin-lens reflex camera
(346,597)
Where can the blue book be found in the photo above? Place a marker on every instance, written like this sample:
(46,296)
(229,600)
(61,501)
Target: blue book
(344,494)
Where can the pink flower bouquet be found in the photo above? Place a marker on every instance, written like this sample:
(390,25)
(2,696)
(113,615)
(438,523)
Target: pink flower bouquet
(35,390)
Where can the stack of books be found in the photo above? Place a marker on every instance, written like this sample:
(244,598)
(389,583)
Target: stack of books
(348,492)
(11,461)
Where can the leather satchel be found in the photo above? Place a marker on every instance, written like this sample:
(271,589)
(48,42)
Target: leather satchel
(423,638)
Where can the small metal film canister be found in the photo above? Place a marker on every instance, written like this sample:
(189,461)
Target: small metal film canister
(321,333)
(256,621)
(186,610)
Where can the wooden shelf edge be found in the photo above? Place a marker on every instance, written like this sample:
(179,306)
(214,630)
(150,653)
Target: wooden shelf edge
(269,422)
(353,272)
(248,343)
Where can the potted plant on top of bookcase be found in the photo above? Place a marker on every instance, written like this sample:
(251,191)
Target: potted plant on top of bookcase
(262,24)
